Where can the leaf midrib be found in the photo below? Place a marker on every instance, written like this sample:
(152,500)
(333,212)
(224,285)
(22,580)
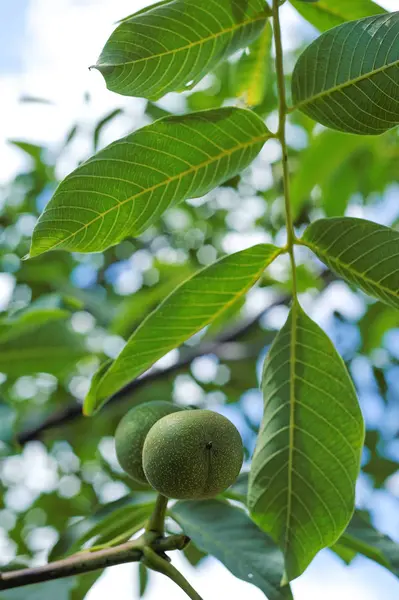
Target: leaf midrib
(291,432)
(328,257)
(214,36)
(344,85)
(192,169)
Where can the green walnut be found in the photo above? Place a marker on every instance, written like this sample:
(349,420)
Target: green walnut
(193,454)
(131,433)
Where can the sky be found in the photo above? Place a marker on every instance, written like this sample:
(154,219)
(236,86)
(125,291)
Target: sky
(45,49)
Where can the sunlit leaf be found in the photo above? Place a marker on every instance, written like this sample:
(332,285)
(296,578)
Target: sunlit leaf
(307,457)
(252,70)
(362,252)
(324,14)
(347,79)
(227,533)
(173,44)
(193,305)
(124,188)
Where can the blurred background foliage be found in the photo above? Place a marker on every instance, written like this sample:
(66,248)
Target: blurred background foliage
(62,314)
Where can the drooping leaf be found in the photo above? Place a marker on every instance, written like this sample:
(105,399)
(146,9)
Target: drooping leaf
(124,188)
(174,44)
(325,14)
(347,79)
(362,252)
(307,457)
(193,305)
(227,533)
(102,123)
(83,584)
(363,538)
(252,70)
(51,347)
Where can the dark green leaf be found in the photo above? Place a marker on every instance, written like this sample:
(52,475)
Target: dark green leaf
(173,44)
(330,13)
(362,252)
(227,533)
(123,189)
(380,468)
(193,305)
(83,584)
(307,457)
(59,589)
(354,76)
(361,537)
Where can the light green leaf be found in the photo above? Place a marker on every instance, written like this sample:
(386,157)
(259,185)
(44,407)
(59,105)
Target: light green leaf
(143,579)
(362,537)
(123,189)
(374,324)
(362,252)
(28,320)
(347,79)
(190,307)
(325,154)
(329,13)
(307,457)
(174,44)
(228,534)
(50,348)
(252,70)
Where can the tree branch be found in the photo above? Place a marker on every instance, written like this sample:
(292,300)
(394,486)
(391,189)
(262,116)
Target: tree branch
(84,562)
(74,410)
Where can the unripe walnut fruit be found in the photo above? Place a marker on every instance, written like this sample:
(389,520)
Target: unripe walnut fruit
(131,433)
(193,454)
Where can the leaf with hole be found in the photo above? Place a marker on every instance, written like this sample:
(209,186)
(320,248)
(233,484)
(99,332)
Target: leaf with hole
(172,45)
(362,252)
(188,309)
(307,457)
(347,79)
(227,533)
(325,14)
(123,189)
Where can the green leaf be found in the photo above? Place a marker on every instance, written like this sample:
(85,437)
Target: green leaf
(227,533)
(375,323)
(60,589)
(307,457)
(325,154)
(143,579)
(252,70)
(28,320)
(125,188)
(50,348)
(102,123)
(174,44)
(330,13)
(83,584)
(347,79)
(106,523)
(362,537)
(193,305)
(362,252)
